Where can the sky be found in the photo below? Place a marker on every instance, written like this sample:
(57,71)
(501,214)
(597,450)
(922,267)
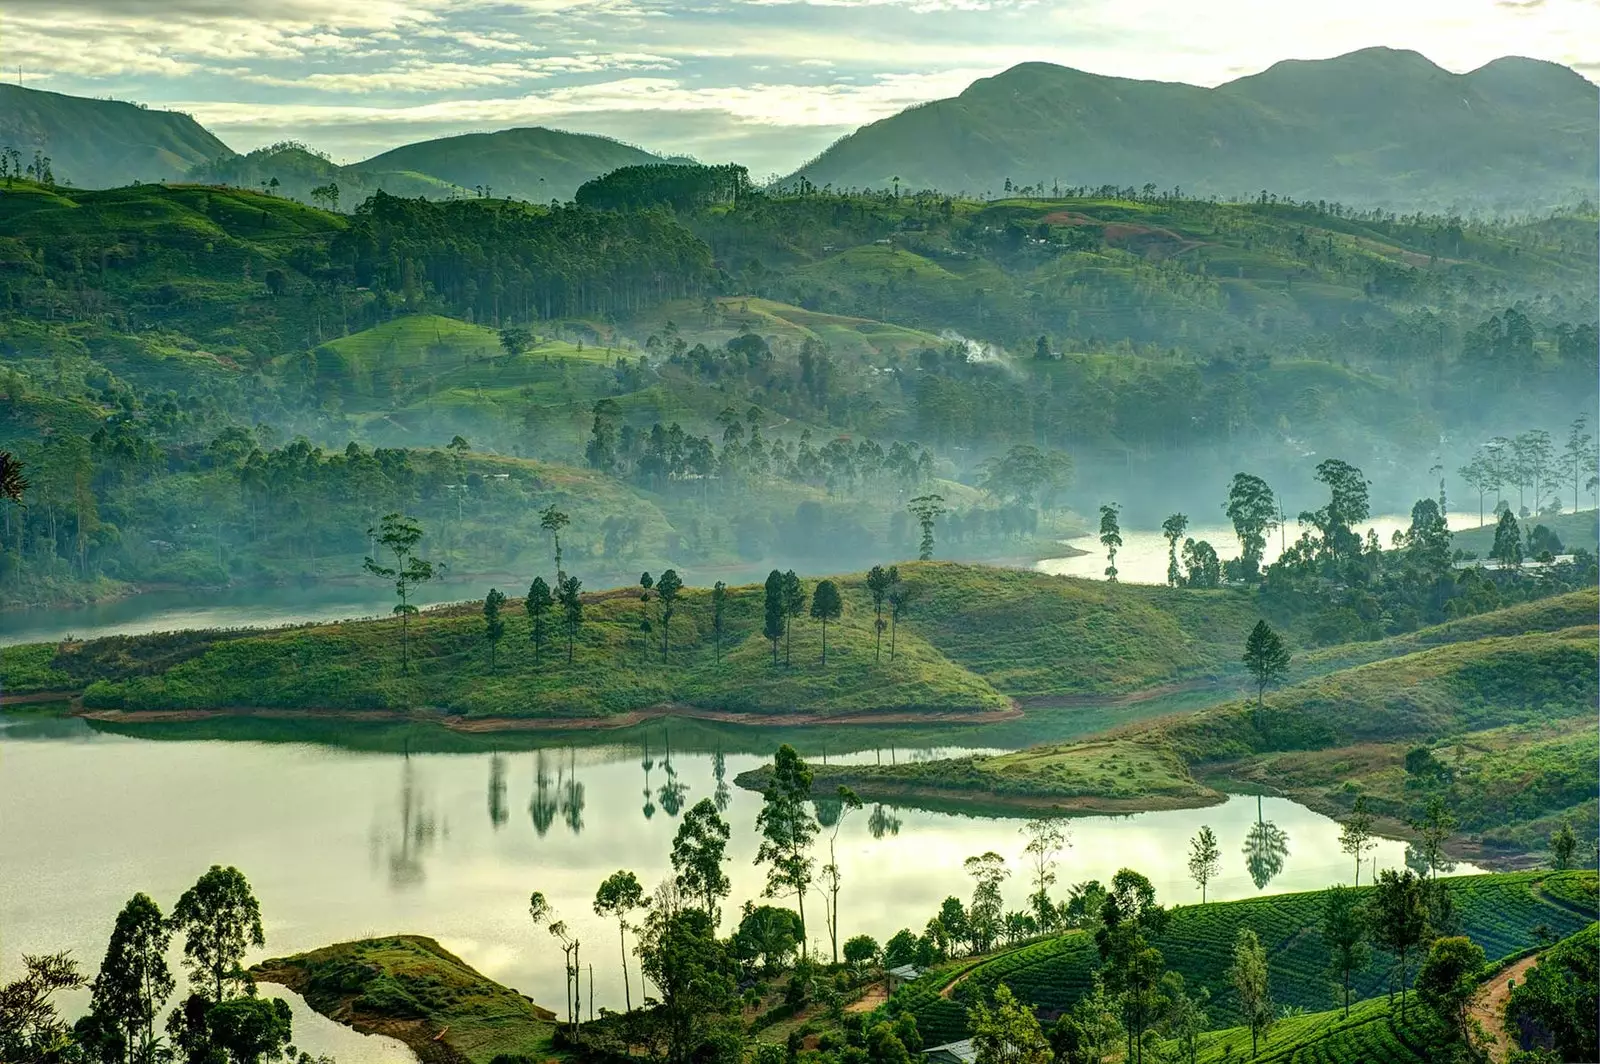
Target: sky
(768,83)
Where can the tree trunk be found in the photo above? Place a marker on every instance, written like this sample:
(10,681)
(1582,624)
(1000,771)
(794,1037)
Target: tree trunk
(627,994)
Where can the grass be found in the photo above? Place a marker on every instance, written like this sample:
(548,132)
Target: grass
(1502,913)
(1579,529)
(411,988)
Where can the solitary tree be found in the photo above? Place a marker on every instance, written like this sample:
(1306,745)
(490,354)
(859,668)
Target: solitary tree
(220,919)
(1563,844)
(537,605)
(879,581)
(1266,657)
(794,606)
(719,615)
(787,830)
(571,610)
(1507,549)
(1344,931)
(667,590)
(494,628)
(1399,920)
(1205,859)
(553,521)
(1202,565)
(1248,975)
(775,613)
(899,602)
(698,852)
(1447,982)
(1046,838)
(927,509)
(1253,511)
(1579,456)
(1173,529)
(1110,537)
(619,895)
(842,805)
(400,535)
(134,981)
(1355,837)
(826,606)
(542,915)
(988,871)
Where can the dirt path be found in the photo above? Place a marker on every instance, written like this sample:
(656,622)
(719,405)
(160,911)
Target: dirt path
(1489,1008)
(876,995)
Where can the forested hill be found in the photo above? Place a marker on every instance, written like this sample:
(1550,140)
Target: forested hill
(1377,126)
(102,143)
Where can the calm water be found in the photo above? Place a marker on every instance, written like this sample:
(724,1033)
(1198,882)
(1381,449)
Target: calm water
(1143,556)
(342,844)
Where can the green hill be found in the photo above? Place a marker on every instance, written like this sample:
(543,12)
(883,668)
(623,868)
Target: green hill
(1502,913)
(534,164)
(299,171)
(103,143)
(1373,126)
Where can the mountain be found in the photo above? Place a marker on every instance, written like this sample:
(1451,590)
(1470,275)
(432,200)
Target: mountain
(533,164)
(103,143)
(299,170)
(1377,126)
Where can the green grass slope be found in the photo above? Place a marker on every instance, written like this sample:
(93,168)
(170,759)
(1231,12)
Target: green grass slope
(1499,912)
(411,988)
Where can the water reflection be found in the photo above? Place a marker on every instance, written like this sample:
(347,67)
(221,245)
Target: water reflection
(542,807)
(1265,847)
(572,796)
(498,813)
(883,822)
(647,763)
(719,772)
(674,791)
(418,832)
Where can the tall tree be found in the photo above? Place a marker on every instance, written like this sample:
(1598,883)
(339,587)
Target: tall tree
(927,509)
(1434,829)
(787,831)
(399,535)
(1447,983)
(1537,453)
(988,871)
(1507,548)
(899,601)
(542,915)
(1173,529)
(537,605)
(1110,537)
(31,1028)
(1355,836)
(1344,932)
(494,628)
(1201,562)
(698,851)
(1249,978)
(667,590)
(1205,859)
(552,520)
(134,982)
(826,605)
(719,615)
(794,607)
(618,896)
(775,612)
(1266,657)
(13,484)
(1563,844)
(571,601)
(1254,511)
(842,805)
(1399,920)
(1008,1032)
(1579,456)
(1046,839)
(1347,505)
(879,581)
(220,919)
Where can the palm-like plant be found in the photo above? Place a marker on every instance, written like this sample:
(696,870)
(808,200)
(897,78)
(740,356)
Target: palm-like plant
(12,482)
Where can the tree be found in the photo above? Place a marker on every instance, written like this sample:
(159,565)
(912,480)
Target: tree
(787,830)
(667,590)
(134,982)
(1558,1000)
(696,980)
(13,484)
(927,509)
(400,535)
(619,895)
(553,521)
(1537,453)
(537,605)
(899,601)
(571,610)
(860,952)
(1248,976)
(1355,837)
(1507,549)
(719,615)
(832,813)
(1173,529)
(1200,560)
(30,1027)
(1344,932)
(1563,844)
(826,605)
(879,582)
(220,919)
(540,912)
(1447,983)
(775,612)
(698,850)
(1579,455)
(250,1029)
(1253,510)
(1110,537)
(1399,918)
(1266,657)
(1478,477)
(1046,838)
(1347,504)
(516,341)
(988,871)
(1205,859)
(493,627)
(1185,1016)
(1434,829)
(794,605)
(1008,1032)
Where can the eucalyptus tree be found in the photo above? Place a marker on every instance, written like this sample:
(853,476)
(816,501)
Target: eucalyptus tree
(1205,859)
(899,596)
(1173,529)
(826,605)
(698,851)
(399,535)
(719,615)
(794,606)
(927,509)
(842,805)
(220,919)
(540,911)
(134,981)
(1356,834)
(553,520)
(668,588)
(1110,537)
(1253,510)
(537,605)
(571,610)
(494,626)
(1046,839)
(787,831)
(618,896)
(774,612)
(879,581)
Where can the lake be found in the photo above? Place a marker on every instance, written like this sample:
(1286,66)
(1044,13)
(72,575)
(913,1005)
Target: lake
(342,843)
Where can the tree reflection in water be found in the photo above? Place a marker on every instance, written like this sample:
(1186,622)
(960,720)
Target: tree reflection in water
(542,807)
(1265,847)
(419,830)
(572,795)
(498,813)
(648,763)
(723,794)
(882,822)
(673,791)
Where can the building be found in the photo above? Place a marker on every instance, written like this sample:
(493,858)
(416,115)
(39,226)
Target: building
(951,1053)
(902,975)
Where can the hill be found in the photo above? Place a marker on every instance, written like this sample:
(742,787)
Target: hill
(533,164)
(1374,126)
(1504,914)
(300,173)
(103,143)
